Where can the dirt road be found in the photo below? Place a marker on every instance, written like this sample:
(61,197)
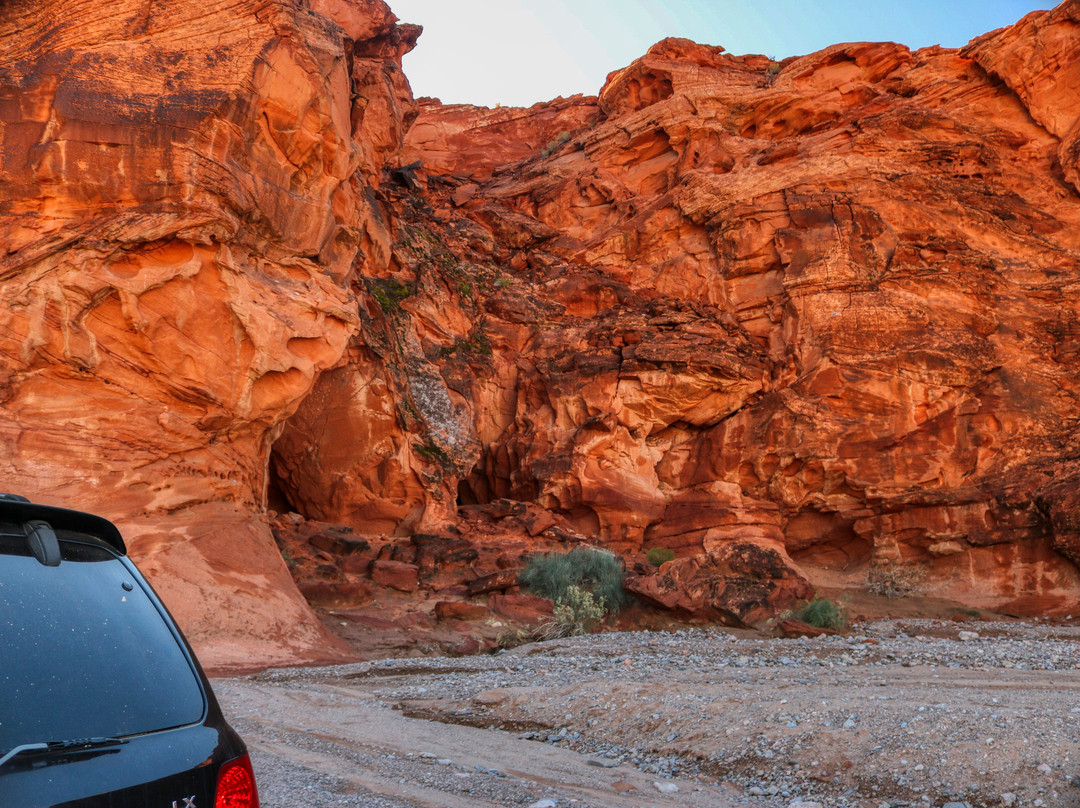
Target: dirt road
(900,712)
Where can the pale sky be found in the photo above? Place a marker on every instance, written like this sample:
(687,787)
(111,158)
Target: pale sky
(519,52)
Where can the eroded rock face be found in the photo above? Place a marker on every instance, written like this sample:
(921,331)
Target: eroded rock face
(823,311)
(737,584)
(829,302)
(185,193)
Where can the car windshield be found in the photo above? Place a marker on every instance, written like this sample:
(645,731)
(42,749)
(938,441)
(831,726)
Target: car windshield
(84,652)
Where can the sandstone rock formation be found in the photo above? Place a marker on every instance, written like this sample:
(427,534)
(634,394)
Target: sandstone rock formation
(827,304)
(826,308)
(186,190)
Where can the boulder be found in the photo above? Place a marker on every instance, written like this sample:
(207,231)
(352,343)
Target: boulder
(739,583)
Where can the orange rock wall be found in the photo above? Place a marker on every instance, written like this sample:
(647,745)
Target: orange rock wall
(828,306)
(184,198)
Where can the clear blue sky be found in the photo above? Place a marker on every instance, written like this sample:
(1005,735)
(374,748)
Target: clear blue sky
(518,52)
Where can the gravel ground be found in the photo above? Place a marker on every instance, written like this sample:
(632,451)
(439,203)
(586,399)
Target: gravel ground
(900,712)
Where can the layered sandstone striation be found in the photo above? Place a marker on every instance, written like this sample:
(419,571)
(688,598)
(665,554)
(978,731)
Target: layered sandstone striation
(185,195)
(818,318)
(825,307)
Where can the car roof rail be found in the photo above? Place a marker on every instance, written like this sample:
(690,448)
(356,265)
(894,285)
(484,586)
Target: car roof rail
(18,509)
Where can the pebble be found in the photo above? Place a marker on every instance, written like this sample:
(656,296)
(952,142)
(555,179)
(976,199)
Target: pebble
(603,763)
(665,788)
(544,803)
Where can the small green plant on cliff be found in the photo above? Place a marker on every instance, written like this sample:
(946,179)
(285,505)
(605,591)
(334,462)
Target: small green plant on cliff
(429,451)
(503,282)
(476,343)
(659,555)
(823,613)
(597,572)
(557,142)
(389,293)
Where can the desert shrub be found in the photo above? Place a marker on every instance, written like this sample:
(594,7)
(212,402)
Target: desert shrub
(595,571)
(557,142)
(577,613)
(894,581)
(659,555)
(823,613)
(513,638)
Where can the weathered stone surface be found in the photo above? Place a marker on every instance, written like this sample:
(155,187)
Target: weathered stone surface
(825,307)
(827,302)
(457,139)
(524,608)
(797,628)
(343,595)
(492,582)
(184,195)
(737,583)
(396,575)
(457,610)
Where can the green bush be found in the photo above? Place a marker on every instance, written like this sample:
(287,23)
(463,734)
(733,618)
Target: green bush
(823,613)
(659,555)
(595,571)
(577,613)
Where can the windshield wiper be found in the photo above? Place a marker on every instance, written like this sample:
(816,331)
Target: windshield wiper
(61,747)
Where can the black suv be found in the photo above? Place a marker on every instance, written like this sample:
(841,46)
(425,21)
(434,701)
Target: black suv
(102,703)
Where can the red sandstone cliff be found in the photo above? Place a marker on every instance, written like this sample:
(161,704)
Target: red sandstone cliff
(184,196)
(826,306)
(825,309)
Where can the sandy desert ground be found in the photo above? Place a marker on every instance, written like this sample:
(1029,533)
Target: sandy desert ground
(897,712)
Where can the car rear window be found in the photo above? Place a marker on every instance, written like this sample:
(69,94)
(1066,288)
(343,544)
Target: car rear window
(84,652)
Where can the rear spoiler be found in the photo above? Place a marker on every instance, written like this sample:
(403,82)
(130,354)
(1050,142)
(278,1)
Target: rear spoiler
(17,509)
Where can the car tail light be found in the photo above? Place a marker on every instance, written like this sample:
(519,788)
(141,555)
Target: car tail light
(236,785)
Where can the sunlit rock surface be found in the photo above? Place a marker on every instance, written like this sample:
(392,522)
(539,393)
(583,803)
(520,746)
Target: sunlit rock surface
(185,198)
(824,311)
(829,302)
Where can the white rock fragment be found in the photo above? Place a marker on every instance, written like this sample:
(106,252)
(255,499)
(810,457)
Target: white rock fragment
(968,635)
(1008,799)
(1044,768)
(665,788)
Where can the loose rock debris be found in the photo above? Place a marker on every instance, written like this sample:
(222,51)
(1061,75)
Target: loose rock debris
(901,714)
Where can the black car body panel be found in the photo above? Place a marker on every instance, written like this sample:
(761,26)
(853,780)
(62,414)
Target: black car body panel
(88,651)
(156,769)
